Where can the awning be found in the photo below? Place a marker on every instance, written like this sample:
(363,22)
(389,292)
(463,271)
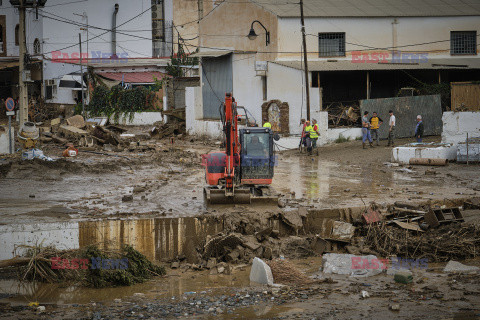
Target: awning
(211,54)
(349,65)
(145,77)
(70,81)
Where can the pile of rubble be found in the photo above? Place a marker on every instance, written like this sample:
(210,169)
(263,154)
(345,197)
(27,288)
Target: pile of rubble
(97,134)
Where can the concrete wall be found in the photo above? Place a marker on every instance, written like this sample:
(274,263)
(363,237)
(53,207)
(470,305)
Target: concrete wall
(4,145)
(403,154)
(457,124)
(348,133)
(374,32)
(141,119)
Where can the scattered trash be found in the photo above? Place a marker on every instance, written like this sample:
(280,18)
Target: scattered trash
(395,307)
(364,294)
(41,309)
(71,151)
(404,277)
(456,267)
(261,272)
(35,154)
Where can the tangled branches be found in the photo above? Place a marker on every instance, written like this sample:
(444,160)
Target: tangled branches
(448,242)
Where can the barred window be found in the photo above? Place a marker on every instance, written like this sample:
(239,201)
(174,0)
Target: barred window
(331,44)
(463,42)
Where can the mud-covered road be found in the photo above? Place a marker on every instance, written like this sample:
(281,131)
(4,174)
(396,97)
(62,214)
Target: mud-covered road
(153,200)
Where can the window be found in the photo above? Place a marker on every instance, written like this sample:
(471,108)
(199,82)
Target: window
(50,89)
(17,28)
(463,42)
(36,47)
(331,44)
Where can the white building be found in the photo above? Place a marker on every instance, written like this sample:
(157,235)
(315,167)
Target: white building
(350,47)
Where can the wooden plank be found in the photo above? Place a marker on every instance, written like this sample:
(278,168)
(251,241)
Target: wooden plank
(465,96)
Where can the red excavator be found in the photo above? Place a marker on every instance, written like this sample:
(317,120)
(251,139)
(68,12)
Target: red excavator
(243,172)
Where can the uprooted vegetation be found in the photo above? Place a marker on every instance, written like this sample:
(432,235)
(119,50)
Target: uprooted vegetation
(90,266)
(453,241)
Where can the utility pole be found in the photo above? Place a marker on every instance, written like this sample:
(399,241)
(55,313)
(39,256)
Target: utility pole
(81,70)
(304,43)
(23,89)
(21,5)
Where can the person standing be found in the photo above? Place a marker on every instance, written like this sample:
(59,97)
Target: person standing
(375,122)
(308,139)
(267,124)
(314,134)
(419,129)
(302,138)
(391,129)
(366,130)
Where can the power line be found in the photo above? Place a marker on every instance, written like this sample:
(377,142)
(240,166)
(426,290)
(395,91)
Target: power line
(138,15)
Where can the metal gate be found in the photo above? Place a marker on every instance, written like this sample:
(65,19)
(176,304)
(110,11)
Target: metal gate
(216,81)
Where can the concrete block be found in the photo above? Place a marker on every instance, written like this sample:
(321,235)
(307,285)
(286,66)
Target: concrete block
(456,125)
(4,145)
(403,154)
(261,272)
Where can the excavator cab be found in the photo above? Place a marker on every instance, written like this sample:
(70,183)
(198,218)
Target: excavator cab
(242,172)
(257,158)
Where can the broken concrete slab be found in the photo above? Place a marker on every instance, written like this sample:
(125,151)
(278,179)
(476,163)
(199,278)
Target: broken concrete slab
(457,267)
(349,264)
(261,272)
(338,230)
(71,132)
(55,122)
(76,121)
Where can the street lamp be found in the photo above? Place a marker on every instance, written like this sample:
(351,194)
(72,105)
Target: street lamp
(252,35)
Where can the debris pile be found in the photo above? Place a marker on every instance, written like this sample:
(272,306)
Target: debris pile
(90,266)
(96,133)
(453,241)
(343,115)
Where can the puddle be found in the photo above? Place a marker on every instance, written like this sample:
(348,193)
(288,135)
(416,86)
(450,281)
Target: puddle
(174,285)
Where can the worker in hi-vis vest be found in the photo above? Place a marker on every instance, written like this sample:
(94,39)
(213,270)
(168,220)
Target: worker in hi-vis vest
(267,124)
(308,136)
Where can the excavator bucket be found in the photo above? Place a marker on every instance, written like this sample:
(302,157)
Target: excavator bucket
(218,196)
(257,196)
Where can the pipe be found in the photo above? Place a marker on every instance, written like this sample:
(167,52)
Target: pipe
(429,161)
(114,31)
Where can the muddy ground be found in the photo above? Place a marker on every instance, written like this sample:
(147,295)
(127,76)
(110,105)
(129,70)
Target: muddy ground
(151,197)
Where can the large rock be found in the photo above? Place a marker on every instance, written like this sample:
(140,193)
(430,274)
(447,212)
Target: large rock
(261,272)
(456,267)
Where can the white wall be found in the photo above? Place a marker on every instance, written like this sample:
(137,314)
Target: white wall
(33,28)
(141,119)
(58,35)
(374,32)
(457,124)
